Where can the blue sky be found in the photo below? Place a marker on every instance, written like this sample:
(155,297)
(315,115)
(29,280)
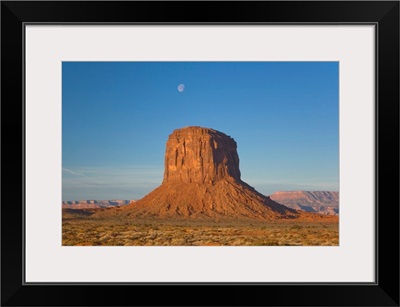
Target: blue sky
(116,118)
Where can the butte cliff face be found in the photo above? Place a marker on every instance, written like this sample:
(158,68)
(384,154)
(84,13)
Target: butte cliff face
(202,181)
(200,155)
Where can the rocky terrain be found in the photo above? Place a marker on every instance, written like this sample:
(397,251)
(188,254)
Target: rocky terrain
(92,204)
(323,202)
(202,201)
(202,181)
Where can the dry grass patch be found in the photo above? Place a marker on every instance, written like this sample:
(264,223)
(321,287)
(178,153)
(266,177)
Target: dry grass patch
(82,230)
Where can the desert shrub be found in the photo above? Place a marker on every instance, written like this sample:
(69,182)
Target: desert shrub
(265,243)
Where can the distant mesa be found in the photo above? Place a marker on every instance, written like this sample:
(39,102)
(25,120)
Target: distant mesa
(202,181)
(93,204)
(322,202)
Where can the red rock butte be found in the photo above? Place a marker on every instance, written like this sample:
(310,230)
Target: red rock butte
(200,155)
(202,181)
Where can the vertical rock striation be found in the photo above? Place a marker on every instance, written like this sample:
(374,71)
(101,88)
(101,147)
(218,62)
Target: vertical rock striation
(200,155)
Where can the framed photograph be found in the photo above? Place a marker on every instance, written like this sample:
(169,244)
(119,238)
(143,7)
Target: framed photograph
(238,147)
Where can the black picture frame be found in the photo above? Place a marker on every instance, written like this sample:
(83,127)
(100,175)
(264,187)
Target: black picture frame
(383,14)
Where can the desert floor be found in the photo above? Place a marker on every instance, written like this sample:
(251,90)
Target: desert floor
(79,229)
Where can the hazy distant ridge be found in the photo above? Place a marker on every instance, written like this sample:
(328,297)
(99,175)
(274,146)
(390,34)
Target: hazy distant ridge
(85,204)
(323,202)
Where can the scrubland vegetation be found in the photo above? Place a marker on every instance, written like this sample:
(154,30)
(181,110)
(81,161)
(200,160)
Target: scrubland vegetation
(81,229)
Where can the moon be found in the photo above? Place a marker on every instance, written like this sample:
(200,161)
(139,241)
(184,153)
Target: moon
(181,87)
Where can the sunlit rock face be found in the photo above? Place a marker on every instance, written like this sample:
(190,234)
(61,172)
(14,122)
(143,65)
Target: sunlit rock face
(200,155)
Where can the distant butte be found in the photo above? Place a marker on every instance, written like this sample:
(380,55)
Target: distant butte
(202,181)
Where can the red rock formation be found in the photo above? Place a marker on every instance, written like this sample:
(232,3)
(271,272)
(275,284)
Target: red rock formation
(200,155)
(202,181)
(323,202)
